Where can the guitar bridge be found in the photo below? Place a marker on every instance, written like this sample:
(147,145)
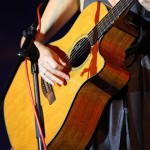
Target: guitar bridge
(48,91)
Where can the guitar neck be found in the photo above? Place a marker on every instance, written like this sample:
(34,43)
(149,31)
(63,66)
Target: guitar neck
(99,30)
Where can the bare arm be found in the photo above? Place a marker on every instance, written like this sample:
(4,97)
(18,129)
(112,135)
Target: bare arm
(145,4)
(56,14)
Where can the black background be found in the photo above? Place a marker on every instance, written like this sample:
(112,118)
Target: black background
(15,16)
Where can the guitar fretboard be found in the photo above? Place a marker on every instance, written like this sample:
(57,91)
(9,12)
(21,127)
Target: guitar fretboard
(99,30)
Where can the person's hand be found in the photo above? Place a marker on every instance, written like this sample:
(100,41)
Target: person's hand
(50,65)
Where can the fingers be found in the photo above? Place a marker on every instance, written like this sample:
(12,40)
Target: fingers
(52,75)
(63,63)
(50,78)
(51,67)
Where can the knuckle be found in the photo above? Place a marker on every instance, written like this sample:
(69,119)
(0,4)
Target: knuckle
(55,66)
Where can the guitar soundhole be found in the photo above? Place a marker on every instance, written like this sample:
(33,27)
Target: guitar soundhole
(80,52)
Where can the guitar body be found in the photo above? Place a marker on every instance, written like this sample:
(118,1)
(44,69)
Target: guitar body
(72,118)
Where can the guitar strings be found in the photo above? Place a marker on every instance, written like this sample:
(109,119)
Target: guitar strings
(83,48)
(99,29)
(101,25)
(111,16)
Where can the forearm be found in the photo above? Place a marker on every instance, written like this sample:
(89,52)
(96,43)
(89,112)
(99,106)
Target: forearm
(56,14)
(145,4)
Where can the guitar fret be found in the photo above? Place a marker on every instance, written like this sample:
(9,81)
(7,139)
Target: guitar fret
(108,20)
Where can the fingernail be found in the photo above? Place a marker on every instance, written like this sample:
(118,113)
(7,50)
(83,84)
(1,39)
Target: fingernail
(60,83)
(52,83)
(67,78)
(64,64)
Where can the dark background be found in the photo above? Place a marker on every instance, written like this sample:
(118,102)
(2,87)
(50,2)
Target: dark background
(15,16)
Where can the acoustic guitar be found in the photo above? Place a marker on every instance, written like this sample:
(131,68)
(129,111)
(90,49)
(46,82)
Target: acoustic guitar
(94,50)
